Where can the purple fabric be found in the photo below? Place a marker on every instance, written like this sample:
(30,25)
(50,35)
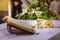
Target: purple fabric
(44,34)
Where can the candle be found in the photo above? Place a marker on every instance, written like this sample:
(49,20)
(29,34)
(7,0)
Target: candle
(9,9)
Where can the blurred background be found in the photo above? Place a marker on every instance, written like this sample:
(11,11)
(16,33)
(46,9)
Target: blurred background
(3,8)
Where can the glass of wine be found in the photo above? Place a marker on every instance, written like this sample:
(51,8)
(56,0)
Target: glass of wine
(39,21)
